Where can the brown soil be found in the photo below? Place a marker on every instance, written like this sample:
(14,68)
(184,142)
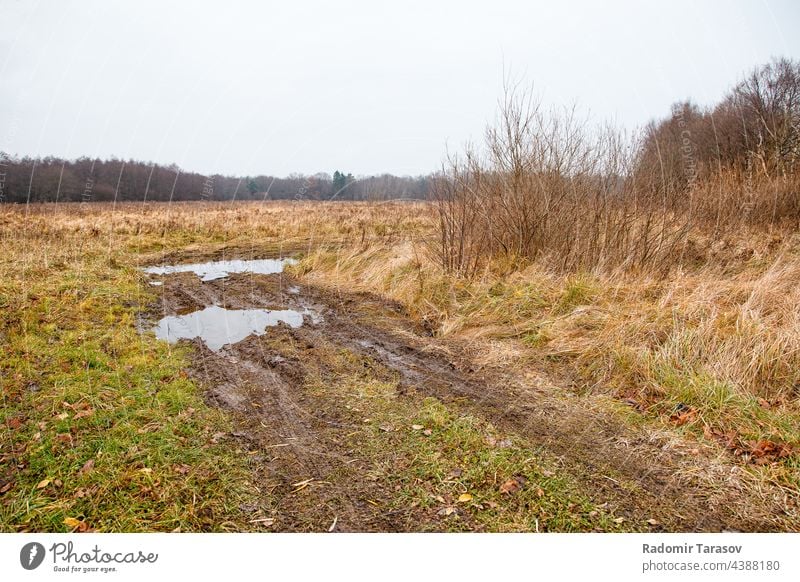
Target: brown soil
(310,476)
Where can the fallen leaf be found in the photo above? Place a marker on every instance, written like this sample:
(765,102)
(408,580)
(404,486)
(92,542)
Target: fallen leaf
(619,520)
(145,470)
(446,511)
(43,483)
(464,498)
(684,415)
(652,521)
(510,486)
(62,416)
(87,466)
(14,423)
(6,487)
(76,524)
(427,432)
(417,427)
(85,413)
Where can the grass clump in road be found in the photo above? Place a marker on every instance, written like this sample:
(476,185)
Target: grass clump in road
(447,469)
(472,478)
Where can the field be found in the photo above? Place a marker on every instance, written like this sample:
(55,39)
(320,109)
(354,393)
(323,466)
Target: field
(520,398)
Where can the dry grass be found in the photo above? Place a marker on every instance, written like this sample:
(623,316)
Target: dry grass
(156,224)
(713,350)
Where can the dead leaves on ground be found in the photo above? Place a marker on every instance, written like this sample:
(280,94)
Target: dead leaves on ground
(767,451)
(760,452)
(683,414)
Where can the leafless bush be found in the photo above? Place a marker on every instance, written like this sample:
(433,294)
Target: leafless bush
(550,186)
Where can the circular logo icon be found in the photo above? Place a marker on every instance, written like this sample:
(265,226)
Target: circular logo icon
(31,555)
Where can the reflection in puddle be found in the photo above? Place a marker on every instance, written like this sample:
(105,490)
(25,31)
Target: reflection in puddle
(217,326)
(219,269)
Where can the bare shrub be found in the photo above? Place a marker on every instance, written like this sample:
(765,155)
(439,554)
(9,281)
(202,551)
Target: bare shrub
(549,186)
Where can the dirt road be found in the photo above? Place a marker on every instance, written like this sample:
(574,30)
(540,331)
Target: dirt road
(296,424)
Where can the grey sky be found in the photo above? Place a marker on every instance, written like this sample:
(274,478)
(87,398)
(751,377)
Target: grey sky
(365,87)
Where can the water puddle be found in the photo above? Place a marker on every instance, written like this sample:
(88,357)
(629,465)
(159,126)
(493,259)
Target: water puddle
(212,270)
(217,326)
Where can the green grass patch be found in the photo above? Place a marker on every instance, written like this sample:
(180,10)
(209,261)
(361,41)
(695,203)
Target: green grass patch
(101,428)
(458,471)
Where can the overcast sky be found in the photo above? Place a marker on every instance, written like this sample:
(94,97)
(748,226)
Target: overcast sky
(364,87)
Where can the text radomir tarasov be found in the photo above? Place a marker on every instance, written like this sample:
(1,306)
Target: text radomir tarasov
(689,549)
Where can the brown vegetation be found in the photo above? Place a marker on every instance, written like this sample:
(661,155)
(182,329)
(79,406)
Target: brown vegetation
(551,188)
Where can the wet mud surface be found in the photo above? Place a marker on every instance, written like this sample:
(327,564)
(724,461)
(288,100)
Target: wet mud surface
(312,476)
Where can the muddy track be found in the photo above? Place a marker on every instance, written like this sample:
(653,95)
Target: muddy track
(297,439)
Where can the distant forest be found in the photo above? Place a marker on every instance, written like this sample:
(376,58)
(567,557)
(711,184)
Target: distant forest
(88,180)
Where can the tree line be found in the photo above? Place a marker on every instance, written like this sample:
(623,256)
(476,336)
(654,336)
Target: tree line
(52,179)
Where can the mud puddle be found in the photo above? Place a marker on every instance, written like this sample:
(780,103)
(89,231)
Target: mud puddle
(213,270)
(217,326)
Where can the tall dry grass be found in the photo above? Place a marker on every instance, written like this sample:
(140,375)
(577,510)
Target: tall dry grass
(720,340)
(549,187)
